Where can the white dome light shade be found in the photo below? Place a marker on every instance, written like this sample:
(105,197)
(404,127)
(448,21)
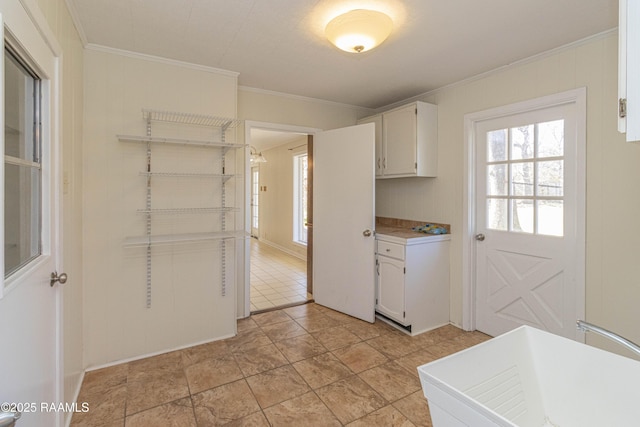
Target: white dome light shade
(358,30)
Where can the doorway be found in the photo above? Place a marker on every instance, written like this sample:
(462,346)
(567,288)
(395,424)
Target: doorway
(277,265)
(526,216)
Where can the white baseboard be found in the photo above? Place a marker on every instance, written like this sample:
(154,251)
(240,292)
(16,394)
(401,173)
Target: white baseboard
(283,249)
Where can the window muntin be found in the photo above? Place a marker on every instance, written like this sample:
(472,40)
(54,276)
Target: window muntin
(525,179)
(22,164)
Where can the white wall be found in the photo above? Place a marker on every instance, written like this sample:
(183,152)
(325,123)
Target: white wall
(59,19)
(276,204)
(187,305)
(613,207)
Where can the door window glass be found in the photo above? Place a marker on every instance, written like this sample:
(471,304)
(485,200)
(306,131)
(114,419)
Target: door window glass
(22,166)
(525,178)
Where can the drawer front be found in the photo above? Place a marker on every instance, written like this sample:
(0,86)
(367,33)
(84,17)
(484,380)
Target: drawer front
(392,250)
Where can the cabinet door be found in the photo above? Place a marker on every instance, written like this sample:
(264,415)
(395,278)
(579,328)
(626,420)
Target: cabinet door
(377,121)
(400,141)
(390,291)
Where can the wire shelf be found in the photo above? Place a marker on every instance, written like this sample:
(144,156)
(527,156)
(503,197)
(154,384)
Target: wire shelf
(167,239)
(181,211)
(180,141)
(189,119)
(188,175)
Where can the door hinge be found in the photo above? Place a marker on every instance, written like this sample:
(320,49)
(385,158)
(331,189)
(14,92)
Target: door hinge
(405,270)
(404,314)
(376,301)
(622,107)
(416,111)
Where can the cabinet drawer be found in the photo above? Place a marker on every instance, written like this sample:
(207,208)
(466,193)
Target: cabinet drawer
(392,250)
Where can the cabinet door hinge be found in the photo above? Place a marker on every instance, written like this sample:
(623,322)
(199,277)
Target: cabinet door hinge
(416,111)
(404,314)
(376,301)
(622,107)
(405,270)
(416,165)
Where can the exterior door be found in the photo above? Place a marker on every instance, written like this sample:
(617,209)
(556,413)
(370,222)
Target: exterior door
(344,220)
(528,219)
(30,309)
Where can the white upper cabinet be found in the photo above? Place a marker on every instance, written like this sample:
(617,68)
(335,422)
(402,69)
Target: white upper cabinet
(629,69)
(406,141)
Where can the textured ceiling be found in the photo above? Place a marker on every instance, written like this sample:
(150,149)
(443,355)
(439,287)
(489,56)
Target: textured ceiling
(279,45)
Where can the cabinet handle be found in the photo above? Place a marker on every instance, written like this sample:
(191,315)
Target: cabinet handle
(384,163)
(378,162)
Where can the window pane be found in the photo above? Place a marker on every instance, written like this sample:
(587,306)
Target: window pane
(550,178)
(23,177)
(551,139)
(497,180)
(19,111)
(551,217)
(522,179)
(497,214)
(497,145)
(22,216)
(522,215)
(522,142)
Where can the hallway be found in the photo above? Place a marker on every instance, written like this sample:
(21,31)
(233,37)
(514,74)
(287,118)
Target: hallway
(277,278)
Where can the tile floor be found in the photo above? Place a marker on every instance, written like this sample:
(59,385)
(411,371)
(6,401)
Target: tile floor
(277,278)
(299,366)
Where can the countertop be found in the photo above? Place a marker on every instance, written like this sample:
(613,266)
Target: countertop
(406,236)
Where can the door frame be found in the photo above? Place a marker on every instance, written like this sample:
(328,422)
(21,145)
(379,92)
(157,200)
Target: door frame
(244,286)
(575,96)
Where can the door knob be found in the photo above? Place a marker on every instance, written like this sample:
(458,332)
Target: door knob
(366,233)
(480,237)
(8,419)
(62,278)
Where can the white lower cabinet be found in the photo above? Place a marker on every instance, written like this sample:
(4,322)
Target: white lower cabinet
(412,288)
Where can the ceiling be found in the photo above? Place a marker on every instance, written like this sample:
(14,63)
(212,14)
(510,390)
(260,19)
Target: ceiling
(279,45)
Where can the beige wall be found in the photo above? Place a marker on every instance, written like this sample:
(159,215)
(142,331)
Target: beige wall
(276,204)
(187,303)
(613,231)
(59,19)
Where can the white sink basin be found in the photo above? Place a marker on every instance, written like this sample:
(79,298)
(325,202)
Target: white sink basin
(531,378)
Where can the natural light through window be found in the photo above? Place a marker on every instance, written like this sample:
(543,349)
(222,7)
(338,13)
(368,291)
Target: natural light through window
(300,198)
(525,179)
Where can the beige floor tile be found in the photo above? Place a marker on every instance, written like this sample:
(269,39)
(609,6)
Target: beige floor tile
(257,419)
(322,370)
(394,345)
(302,310)
(360,357)
(305,410)
(104,406)
(213,350)
(155,381)
(261,359)
(391,380)
(283,330)
(212,373)
(174,414)
(317,322)
(350,399)
(277,385)
(385,417)
(415,408)
(335,338)
(364,330)
(224,404)
(411,361)
(253,338)
(246,324)
(299,348)
(270,318)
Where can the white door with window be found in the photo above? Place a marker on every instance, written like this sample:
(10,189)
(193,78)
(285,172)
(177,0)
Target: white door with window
(30,309)
(529,211)
(344,220)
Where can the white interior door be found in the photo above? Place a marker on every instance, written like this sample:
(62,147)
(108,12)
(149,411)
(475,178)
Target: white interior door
(344,220)
(528,214)
(30,309)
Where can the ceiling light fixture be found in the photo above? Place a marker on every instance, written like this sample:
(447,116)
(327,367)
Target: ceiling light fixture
(358,30)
